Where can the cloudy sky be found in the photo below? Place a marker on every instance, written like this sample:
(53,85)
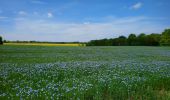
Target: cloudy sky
(81,20)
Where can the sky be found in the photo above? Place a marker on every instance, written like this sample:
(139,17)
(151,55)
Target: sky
(81,20)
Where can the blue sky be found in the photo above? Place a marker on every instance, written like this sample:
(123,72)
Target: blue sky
(81,20)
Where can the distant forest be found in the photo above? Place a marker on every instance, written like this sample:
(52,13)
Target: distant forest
(142,39)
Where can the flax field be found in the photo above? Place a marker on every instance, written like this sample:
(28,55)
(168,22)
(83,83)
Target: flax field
(84,73)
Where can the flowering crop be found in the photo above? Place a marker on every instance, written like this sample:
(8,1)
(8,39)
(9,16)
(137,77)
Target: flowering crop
(36,72)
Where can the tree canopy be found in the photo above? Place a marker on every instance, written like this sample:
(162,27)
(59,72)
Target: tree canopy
(142,39)
(1,41)
(165,37)
(132,39)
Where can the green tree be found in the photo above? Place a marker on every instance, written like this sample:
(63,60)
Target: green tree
(165,38)
(131,39)
(122,40)
(153,39)
(1,41)
(141,39)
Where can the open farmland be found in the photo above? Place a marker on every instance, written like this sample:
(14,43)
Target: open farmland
(85,73)
(46,44)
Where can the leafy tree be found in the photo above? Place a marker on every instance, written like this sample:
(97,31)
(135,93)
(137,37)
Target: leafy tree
(165,38)
(1,41)
(153,39)
(141,39)
(132,39)
(122,40)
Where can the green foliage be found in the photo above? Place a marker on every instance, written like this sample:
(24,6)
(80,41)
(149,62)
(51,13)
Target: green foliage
(132,40)
(1,40)
(121,41)
(153,39)
(141,39)
(165,38)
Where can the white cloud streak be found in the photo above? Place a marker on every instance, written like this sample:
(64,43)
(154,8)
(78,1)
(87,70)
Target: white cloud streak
(22,13)
(38,2)
(54,31)
(3,17)
(136,6)
(49,15)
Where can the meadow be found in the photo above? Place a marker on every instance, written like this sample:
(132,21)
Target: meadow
(84,73)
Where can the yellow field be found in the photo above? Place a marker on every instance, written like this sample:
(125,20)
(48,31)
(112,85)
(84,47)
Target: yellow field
(44,44)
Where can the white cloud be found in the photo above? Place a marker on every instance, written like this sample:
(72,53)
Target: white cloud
(86,23)
(19,19)
(37,2)
(35,13)
(49,15)
(42,30)
(23,13)
(2,17)
(136,6)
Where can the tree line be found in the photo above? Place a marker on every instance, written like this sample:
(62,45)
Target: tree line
(142,39)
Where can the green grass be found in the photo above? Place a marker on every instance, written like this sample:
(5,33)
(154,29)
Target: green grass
(86,73)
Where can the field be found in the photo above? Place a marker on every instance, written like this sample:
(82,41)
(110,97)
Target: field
(84,73)
(45,44)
